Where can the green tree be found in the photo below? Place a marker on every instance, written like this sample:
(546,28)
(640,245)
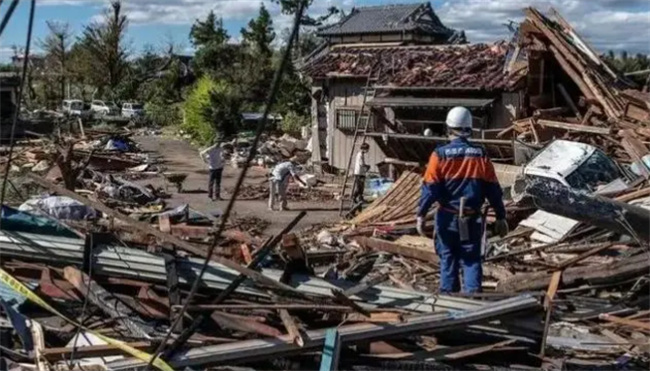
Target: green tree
(105,49)
(624,63)
(208,31)
(292,123)
(195,106)
(257,62)
(224,110)
(259,34)
(56,46)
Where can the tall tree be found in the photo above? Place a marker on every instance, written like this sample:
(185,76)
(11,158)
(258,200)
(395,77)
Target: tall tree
(259,34)
(57,49)
(105,47)
(208,31)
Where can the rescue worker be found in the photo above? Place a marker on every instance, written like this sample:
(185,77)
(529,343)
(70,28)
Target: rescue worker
(459,177)
(360,170)
(213,157)
(279,181)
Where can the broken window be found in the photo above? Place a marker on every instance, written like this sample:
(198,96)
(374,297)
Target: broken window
(597,170)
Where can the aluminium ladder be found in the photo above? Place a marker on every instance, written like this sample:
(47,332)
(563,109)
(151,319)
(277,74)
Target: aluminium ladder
(369,92)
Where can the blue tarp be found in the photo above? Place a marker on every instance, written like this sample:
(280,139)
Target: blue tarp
(20,221)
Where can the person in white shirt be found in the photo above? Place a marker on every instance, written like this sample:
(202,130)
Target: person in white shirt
(279,181)
(213,157)
(360,170)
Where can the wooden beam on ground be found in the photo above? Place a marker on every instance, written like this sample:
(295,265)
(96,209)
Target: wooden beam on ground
(108,303)
(569,262)
(575,127)
(391,247)
(60,354)
(146,228)
(625,322)
(636,149)
(291,327)
(548,306)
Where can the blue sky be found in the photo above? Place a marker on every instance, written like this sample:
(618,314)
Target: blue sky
(608,24)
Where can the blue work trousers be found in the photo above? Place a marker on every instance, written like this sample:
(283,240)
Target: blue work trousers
(455,254)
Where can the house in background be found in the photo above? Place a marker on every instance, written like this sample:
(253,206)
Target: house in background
(414,80)
(399,23)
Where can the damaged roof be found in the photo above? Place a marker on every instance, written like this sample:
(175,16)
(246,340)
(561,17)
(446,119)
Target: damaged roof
(388,18)
(477,66)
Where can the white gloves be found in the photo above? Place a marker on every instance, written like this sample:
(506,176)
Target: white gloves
(420,226)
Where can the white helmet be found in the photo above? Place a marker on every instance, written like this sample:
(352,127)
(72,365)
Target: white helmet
(428,132)
(459,118)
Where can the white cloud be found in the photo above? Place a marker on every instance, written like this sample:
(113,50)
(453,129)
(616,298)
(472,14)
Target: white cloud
(607,24)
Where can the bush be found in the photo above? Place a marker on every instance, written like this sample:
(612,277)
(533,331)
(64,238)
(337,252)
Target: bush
(293,122)
(163,114)
(196,104)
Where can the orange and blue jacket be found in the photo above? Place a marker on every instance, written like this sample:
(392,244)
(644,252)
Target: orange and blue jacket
(460,169)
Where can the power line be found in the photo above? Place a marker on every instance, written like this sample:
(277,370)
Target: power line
(275,86)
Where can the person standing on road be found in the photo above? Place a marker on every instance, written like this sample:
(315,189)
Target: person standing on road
(360,170)
(213,157)
(459,177)
(279,181)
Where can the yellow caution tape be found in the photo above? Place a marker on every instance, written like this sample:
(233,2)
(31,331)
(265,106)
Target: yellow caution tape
(26,292)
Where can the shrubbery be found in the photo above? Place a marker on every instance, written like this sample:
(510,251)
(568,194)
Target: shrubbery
(293,122)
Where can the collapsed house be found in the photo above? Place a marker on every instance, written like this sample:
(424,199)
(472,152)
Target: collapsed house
(391,93)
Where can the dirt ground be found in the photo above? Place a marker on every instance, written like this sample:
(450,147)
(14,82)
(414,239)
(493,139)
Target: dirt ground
(178,155)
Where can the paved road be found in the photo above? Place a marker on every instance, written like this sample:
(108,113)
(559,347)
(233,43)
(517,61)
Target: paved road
(179,156)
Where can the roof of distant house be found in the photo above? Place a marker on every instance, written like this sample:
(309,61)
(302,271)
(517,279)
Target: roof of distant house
(387,19)
(477,66)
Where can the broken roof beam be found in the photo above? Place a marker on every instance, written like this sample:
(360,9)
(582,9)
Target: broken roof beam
(575,127)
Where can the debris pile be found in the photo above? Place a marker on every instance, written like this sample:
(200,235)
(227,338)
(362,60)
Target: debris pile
(294,193)
(577,96)
(271,151)
(98,282)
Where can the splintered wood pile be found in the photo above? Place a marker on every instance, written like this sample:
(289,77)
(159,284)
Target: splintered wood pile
(577,96)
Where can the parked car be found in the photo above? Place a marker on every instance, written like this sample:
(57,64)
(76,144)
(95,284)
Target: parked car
(132,110)
(104,108)
(575,165)
(73,107)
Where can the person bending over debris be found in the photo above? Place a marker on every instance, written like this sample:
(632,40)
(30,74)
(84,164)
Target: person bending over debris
(459,177)
(360,170)
(279,181)
(213,156)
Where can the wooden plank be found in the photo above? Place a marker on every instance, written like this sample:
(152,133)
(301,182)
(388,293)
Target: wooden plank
(625,322)
(594,251)
(108,303)
(291,327)
(146,228)
(636,149)
(548,306)
(391,247)
(575,127)
(91,351)
(575,77)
